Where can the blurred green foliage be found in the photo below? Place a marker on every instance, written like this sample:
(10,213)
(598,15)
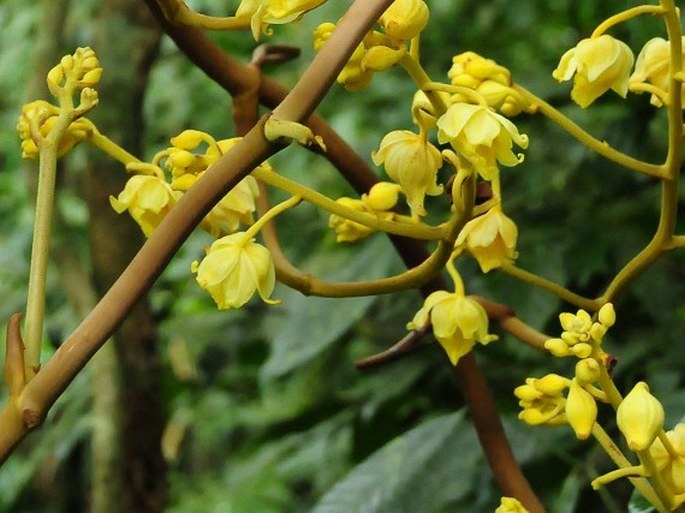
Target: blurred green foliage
(273,415)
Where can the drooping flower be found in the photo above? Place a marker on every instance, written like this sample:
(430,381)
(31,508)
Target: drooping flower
(413,162)
(234,268)
(640,417)
(404,19)
(597,65)
(653,65)
(490,238)
(458,322)
(148,199)
(510,505)
(263,13)
(481,136)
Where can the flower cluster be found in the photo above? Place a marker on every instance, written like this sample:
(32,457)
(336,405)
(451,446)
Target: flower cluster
(600,63)
(542,400)
(581,335)
(484,76)
(379,50)
(186,165)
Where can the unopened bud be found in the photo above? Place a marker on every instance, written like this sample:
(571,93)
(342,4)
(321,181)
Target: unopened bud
(587,371)
(640,417)
(382,196)
(581,410)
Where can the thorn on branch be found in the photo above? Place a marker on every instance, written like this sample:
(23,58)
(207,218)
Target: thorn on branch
(406,345)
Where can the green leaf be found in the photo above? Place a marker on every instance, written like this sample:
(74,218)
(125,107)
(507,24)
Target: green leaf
(303,327)
(418,472)
(638,504)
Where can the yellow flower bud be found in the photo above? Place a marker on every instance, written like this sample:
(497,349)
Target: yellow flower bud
(404,19)
(382,196)
(557,347)
(640,417)
(188,139)
(552,384)
(234,268)
(346,230)
(470,69)
(597,65)
(379,58)
(587,371)
(581,410)
(91,78)
(607,315)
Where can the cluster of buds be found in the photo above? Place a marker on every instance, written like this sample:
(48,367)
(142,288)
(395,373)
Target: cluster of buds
(492,81)
(379,50)
(581,335)
(79,71)
(542,400)
(379,201)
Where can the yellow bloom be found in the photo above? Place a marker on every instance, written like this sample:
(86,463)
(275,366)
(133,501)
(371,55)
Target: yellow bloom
(542,400)
(458,322)
(412,162)
(653,65)
(581,410)
(599,64)
(481,136)
(672,467)
(404,19)
(510,505)
(640,417)
(234,268)
(263,13)
(490,238)
(148,199)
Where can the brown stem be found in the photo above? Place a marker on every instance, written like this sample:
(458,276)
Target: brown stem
(231,75)
(41,393)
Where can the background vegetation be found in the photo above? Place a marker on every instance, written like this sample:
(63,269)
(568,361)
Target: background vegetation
(261,410)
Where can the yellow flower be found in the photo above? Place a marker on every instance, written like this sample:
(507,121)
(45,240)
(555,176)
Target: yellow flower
(581,410)
(542,400)
(490,238)
(148,199)
(599,64)
(640,417)
(263,13)
(481,136)
(404,19)
(510,505)
(458,322)
(653,65)
(672,467)
(412,162)
(234,268)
